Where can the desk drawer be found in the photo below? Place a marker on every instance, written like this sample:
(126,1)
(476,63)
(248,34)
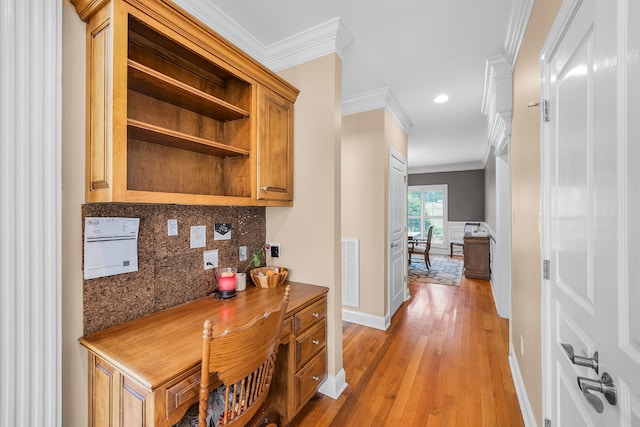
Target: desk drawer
(310,315)
(184,393)
(310,343)
(309,379)
(286,331)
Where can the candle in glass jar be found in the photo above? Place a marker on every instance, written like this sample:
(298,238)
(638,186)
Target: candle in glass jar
(227,281)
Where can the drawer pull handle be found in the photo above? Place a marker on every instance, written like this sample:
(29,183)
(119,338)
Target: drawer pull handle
(316,315)
(316,342)
(315,378)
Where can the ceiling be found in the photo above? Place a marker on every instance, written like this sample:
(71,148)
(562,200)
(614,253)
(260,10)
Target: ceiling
(408,50)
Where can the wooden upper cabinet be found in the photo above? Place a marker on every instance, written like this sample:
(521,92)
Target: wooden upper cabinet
(176,114)
(275,146)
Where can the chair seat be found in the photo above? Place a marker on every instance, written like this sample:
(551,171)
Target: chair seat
(455,243)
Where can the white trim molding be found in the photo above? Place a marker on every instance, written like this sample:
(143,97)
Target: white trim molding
(374,100)
(321,40)
(521,392)
(329,37)
(517,26)
(31,212)
(366,319)
(333,386)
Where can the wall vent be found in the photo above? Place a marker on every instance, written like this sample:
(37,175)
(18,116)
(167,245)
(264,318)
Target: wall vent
(351,272)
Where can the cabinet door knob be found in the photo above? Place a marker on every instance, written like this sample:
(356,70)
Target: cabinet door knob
(315,378)
(315,314)
(316,342)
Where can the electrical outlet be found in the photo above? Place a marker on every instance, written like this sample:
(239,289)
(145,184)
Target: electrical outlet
(275,250)
(210,259)
(242,253)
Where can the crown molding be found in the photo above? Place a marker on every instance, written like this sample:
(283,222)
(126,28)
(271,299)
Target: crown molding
(451,167)
(323,39)
(375,100)
(220,22)
(517,26)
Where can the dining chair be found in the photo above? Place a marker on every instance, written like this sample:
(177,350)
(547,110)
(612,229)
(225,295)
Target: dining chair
(244,359)
(427,260)
(423,246)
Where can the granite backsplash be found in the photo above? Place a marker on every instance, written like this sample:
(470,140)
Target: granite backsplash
(169,272)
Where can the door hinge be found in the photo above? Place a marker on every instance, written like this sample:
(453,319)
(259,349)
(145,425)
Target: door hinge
(545,110)
(546,266)
(547,422)
(544,104)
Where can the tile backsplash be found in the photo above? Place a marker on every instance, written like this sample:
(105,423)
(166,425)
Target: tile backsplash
(169,272)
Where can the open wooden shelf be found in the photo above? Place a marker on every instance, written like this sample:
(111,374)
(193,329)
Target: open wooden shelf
(155,84)
(171,138)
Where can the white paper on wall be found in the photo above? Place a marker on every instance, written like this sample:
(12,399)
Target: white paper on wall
(110,246)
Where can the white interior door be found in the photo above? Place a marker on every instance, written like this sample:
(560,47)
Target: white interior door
(397,230)
(591,203)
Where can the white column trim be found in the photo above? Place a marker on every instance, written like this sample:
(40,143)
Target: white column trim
(30,212)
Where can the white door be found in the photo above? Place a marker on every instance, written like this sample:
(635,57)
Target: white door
(397,230)
(590,208)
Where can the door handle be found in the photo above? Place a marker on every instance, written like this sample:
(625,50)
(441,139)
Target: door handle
(604,385)
(394,245)
(589,362)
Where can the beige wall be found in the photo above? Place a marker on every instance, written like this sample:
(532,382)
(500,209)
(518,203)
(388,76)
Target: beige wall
(366,138)
(74,357)
(525,200)
(363,202)
(309,232)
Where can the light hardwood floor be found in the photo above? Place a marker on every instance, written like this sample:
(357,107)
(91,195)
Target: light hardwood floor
(442,362)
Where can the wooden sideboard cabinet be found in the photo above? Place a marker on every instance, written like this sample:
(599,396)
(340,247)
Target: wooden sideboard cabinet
(146,372)
(177,114)
(476,257)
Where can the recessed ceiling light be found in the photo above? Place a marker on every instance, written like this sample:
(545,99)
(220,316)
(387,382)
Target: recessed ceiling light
(441,98)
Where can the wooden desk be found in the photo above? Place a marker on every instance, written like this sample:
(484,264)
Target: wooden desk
(476,257)
(147,372)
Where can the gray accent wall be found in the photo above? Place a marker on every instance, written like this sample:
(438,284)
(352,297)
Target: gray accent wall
(465,191)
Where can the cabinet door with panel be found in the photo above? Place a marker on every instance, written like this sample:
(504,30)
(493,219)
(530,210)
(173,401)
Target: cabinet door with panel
(275,146)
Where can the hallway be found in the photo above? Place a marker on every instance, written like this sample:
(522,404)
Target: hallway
(442,362)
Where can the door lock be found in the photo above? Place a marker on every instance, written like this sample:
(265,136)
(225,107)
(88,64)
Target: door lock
(589,362)
(604,385)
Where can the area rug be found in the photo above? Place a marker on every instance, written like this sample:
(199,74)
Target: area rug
(444,270)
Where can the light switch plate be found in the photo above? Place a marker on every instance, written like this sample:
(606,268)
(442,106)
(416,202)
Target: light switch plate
(242,253)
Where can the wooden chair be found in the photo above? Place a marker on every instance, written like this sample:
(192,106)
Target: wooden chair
(427,261)
(423,246)
(469,228)
(244,359)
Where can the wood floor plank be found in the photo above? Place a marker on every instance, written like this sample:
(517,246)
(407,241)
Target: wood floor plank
(442,362)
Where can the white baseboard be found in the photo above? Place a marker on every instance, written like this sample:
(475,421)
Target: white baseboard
(521,392)
(366,319)
(333,386)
